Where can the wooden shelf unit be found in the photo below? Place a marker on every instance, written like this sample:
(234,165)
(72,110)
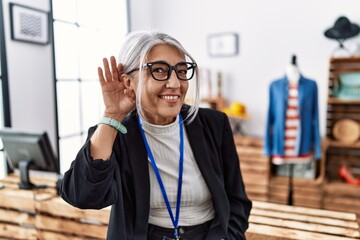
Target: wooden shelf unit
(338,109)
(255,167)
(338,195)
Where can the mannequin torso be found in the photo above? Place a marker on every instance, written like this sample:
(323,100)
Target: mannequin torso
(292,73)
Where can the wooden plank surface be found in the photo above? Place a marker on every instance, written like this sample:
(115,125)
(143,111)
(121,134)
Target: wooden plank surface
(305,226)
(57,207)
(46,235)
(285,234)
(304,218)
(16,217)
(35,177)
(293,222)
(17,199)
(307,211)
(248,140)
(62,225)
(263,236)
(10,231)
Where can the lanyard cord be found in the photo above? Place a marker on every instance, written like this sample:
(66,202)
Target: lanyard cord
(175,221)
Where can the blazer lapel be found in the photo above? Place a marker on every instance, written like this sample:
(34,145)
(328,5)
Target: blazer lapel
(195,132)
(285,90)
(140,169)
(198,145)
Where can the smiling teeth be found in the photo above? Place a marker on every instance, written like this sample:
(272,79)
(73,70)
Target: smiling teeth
(170,97)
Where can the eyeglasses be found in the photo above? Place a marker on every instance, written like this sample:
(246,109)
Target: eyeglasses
(161,71)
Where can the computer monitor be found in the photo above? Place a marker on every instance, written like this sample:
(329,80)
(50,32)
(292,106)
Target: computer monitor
(28,150)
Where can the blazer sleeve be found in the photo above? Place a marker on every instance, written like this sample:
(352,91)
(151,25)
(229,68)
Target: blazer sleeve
(89,184)
(240,205)
(269,124)
(315,124)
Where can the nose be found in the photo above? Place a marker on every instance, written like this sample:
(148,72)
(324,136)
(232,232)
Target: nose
(173,81)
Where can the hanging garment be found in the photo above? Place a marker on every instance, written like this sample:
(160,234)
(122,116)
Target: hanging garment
(292,121)
(308,137)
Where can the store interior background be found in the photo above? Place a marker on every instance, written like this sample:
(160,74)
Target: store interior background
(269,33)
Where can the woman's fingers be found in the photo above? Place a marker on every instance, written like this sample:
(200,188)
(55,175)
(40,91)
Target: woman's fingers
(114,70)
(108,75)
(120,68)
(111,72)
(101,76)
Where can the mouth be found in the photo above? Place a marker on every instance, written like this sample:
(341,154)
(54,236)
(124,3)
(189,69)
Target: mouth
(170,98)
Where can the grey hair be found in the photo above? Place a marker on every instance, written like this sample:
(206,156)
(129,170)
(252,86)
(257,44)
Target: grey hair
(135,49)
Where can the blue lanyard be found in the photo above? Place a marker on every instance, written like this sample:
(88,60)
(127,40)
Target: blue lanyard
(175,221)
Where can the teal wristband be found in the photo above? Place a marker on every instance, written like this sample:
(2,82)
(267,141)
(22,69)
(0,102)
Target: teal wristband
(113,123)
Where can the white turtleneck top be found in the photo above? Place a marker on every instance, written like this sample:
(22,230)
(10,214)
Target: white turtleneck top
(196,202)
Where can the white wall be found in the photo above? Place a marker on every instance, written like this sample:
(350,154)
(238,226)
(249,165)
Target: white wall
(270,32)
(31,80)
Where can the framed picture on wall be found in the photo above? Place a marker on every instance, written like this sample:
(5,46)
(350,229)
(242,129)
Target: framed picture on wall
(223,44)
(29,24)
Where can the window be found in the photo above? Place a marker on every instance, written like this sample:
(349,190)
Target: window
(84,33)
(4,92)
(2,161)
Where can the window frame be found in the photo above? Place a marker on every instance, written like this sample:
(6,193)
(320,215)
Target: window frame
(82,133)
(6,121)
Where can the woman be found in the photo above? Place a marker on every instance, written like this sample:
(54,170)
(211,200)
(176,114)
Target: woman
(169,170)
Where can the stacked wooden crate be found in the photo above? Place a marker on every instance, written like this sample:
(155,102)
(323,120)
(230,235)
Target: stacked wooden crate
(255,167)
(17,209)
(40,214)
(306,192)
(56,219)
(339,195)
(342,149)
(263,185)
(342,197)
(17,214)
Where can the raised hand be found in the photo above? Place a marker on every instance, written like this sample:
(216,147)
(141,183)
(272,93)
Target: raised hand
(118,100)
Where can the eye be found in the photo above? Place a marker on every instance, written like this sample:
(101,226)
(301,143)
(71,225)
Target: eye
(182,69)
(160,68)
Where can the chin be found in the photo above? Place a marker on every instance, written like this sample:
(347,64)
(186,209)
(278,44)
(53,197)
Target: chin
(171,112)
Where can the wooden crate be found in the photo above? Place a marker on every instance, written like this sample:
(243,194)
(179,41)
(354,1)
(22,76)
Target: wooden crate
(56,219)
(254,166)
(306,192)
(338,195)
(342,197)
(277,221)
(338,109)
(17,209)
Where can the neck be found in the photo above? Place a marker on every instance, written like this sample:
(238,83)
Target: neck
(292,73)
(159,120)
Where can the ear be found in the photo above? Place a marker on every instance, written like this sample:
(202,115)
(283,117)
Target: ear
(128,82)
(130,87)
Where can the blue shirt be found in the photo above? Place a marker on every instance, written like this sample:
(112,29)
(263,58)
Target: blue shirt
(309,134)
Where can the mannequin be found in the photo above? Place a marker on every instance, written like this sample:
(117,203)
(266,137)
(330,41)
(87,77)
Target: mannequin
(292,138)
(292,71)
(292,118)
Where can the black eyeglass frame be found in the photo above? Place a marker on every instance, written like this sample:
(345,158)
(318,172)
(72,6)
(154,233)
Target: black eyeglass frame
(170,69)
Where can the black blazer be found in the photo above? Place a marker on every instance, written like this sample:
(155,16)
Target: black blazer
(123,181)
